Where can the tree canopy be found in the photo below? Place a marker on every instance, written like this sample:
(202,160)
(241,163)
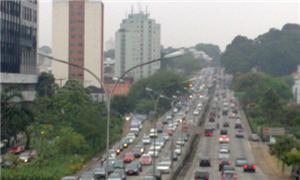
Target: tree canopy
(275,52)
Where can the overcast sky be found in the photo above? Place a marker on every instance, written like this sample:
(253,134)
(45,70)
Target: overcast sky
(189,22)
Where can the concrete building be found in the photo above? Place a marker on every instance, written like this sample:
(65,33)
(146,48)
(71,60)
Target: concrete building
(137,41)
(19,22)
(78,38)
(296,87)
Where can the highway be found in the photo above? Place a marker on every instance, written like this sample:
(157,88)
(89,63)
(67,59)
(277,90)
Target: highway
(209,147)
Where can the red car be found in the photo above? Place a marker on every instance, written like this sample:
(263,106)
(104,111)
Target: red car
(16,149)
(208,132)
(128,157)
(146,159)
(224,139)
(249,167)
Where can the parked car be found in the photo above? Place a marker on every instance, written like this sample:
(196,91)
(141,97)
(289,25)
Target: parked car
(254,137)
(16,149)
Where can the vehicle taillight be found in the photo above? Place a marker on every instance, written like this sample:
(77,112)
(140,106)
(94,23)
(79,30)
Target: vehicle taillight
(206,177)
(254,166)
(245,166)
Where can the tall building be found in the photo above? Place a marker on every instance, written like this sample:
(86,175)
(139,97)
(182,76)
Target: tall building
(19,45)
(137,41)
(77,38)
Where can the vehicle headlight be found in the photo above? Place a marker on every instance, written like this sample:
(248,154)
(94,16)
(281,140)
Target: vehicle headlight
(142,150)
(26,160)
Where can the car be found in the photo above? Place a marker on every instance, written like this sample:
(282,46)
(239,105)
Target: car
(115,176)
(112,153)
(153,133)
(223,163)
(174,156)
(27,156)
(157,173)
(121,172)
(169,131)
(223,132)
(239,162)
(146,159)
(208,132)
(201,175)
(146,140)
(254,137)
(164,166)
(119,149)
(211,119)
(166,136)
(177,150)
(125,143)
(229,175)
(224,139)
(137,152)
(223,154)
(238,124)
(180,142)
(119,164)
(132,169)
(239,134)
(156,147)
(224,146)
(128,157)
(69,178)
(89,175)
(16,149)
(153,153)
(204,162)
(99,173)
(249,167)
(225,124)
(149,177)
(196,113)
(227,168)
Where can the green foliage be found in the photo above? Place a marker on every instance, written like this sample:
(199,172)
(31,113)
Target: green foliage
(275,52)
(15,115)
(185,64)
(121,104)
(46,84)
(210,49)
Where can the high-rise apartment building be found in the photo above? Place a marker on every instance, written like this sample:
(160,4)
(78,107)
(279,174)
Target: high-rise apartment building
(19,45)
(137,41)
(77,38)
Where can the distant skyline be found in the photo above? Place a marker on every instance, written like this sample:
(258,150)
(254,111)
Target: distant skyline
(186,23)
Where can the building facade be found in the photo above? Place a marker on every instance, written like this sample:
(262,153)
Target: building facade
(137,41)
(78,38)
(296,87)
(19,32)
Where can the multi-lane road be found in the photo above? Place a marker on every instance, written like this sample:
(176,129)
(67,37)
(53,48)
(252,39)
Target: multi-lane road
(204,147)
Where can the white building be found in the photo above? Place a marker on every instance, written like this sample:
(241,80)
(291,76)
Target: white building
(77,28)
(296,87)
(137,41)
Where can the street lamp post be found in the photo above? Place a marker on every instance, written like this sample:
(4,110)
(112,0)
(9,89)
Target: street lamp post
(110,93)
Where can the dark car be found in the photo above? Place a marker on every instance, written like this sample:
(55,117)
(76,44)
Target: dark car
(249,167)
(225,124)
(223,132)
(201,175)
(204,162)
(223,163)
(133,168)
(118,164)
(227,168)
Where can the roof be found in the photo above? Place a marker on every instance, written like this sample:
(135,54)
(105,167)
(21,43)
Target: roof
(94,89)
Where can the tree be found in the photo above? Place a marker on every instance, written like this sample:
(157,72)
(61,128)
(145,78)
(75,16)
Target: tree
(15,116)
(121,104)
(45,85)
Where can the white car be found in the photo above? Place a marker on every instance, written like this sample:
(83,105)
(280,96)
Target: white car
(164,166)
(196,112)
(157,147)
(153,153)
(178,150)
(146,140)
(223,154)
(153,133)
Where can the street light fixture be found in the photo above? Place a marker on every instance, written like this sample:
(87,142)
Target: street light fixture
(109,94)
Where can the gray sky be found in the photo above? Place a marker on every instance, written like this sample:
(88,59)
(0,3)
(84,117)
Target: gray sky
(185,23)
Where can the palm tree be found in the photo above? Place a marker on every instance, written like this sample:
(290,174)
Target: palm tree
(15,116)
